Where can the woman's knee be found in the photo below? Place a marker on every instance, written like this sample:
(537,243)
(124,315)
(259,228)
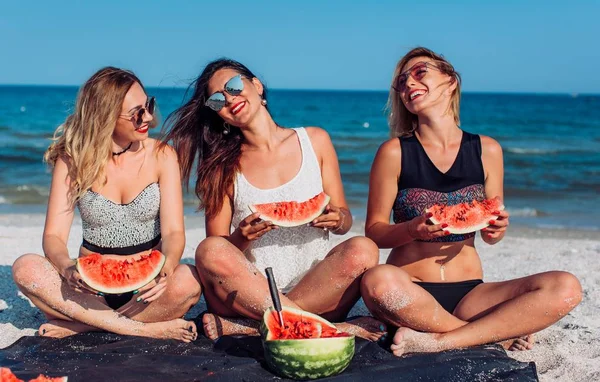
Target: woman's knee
(27,269)
(360,254)
(379,281)
(216,255)
(566,289)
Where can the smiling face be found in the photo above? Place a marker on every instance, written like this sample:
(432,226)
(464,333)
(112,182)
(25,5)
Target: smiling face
(422,85)
(128,129)
(239,109)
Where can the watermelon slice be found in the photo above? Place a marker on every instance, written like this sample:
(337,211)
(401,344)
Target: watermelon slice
(292,213)
(6,375)
(306,347)
(119,274)
(465,217)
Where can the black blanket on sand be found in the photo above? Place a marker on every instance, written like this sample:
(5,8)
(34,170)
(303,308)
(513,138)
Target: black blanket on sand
(92,357)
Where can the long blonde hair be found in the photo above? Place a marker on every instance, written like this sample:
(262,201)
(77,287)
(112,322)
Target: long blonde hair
(402,122)
(84,140)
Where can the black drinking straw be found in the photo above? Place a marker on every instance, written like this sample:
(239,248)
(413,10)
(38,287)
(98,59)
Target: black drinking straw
(274,293)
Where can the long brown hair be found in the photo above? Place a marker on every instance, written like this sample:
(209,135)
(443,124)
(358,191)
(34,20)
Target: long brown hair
(197,134)
(402,122)
(84,140)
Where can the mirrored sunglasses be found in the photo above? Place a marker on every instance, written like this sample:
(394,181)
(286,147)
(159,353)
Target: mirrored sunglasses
(234,87)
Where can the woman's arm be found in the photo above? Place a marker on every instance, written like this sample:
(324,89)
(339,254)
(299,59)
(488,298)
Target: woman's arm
(171,208)
(337,215)
(59,218)
(491,157)
(383,188)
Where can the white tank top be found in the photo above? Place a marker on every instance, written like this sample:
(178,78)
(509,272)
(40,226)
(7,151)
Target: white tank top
(291,252)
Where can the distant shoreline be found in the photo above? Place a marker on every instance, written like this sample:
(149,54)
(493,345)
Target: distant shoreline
(464,92)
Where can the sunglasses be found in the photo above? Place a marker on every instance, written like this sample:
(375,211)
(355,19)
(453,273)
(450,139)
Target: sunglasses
(234,87)
(417,72)
(138,116)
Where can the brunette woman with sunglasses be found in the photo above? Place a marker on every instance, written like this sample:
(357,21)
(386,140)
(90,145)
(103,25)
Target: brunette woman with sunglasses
(431,286)
(244,157)
(128,192)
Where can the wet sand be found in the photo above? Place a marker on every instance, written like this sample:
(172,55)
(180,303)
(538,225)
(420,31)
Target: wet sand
(567,351)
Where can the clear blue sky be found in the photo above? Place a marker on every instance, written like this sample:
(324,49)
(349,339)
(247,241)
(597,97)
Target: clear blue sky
(507,46)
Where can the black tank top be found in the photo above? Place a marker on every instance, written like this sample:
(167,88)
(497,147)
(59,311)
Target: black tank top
(421,184)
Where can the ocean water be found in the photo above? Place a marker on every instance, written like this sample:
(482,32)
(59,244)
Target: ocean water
(551,144)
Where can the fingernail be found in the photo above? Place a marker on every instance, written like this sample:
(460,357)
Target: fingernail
(100,294)
(382,327)
(43,331)
(496,212)
(136,291)
(145,301)
(489,235)
(444,225)
(429,214)
(190,328)
(138,299)
(446,233)
(492,222)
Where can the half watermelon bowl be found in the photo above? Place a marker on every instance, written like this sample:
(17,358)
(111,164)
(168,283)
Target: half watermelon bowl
(307,347)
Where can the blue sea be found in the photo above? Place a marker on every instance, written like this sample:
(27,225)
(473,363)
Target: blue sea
(551,144)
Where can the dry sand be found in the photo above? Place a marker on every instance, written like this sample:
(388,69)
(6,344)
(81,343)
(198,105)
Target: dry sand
(567,351)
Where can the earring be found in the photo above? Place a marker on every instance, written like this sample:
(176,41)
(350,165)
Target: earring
(226,128)
(263,102)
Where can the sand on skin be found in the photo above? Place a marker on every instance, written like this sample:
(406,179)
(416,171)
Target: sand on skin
(568,350)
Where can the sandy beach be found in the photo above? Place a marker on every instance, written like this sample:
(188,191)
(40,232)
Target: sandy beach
(567,351)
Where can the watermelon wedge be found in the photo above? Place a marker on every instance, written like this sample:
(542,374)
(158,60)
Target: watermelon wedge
(119,274)
(6,375)
(465,217)
(306,347)
(292,213)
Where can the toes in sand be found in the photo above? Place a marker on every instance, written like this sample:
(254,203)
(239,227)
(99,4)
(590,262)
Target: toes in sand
(408,341)
(63,328)
(368,328)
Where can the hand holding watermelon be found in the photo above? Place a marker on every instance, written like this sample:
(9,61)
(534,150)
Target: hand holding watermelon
(154,289)
(73,279)
(332,218)
(498,225)
(253,227)
(420,228)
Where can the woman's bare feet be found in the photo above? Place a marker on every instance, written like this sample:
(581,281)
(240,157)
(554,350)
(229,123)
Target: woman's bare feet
(519,344)
(217,326)
(368,328)
(410,341)
(62,328)
(177,329)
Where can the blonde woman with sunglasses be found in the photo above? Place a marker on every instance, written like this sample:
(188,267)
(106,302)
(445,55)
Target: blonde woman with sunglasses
(244,158)
(128,192)
(431,286)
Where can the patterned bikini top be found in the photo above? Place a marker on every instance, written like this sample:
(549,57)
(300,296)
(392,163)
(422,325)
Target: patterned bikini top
(421,184)
(121,229)
(291,252)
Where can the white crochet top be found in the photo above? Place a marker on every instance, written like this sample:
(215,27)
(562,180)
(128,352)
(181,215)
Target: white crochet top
(291,252)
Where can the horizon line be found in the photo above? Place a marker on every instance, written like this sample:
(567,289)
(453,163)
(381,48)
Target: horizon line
(572,93)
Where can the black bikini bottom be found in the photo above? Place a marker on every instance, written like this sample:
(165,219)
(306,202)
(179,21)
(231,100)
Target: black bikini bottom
(121,250)
(115,301)
(449,294)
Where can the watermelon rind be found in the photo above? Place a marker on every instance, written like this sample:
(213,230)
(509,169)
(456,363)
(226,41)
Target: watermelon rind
(306,358)
(124,289)
(476,226)
(295,223)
